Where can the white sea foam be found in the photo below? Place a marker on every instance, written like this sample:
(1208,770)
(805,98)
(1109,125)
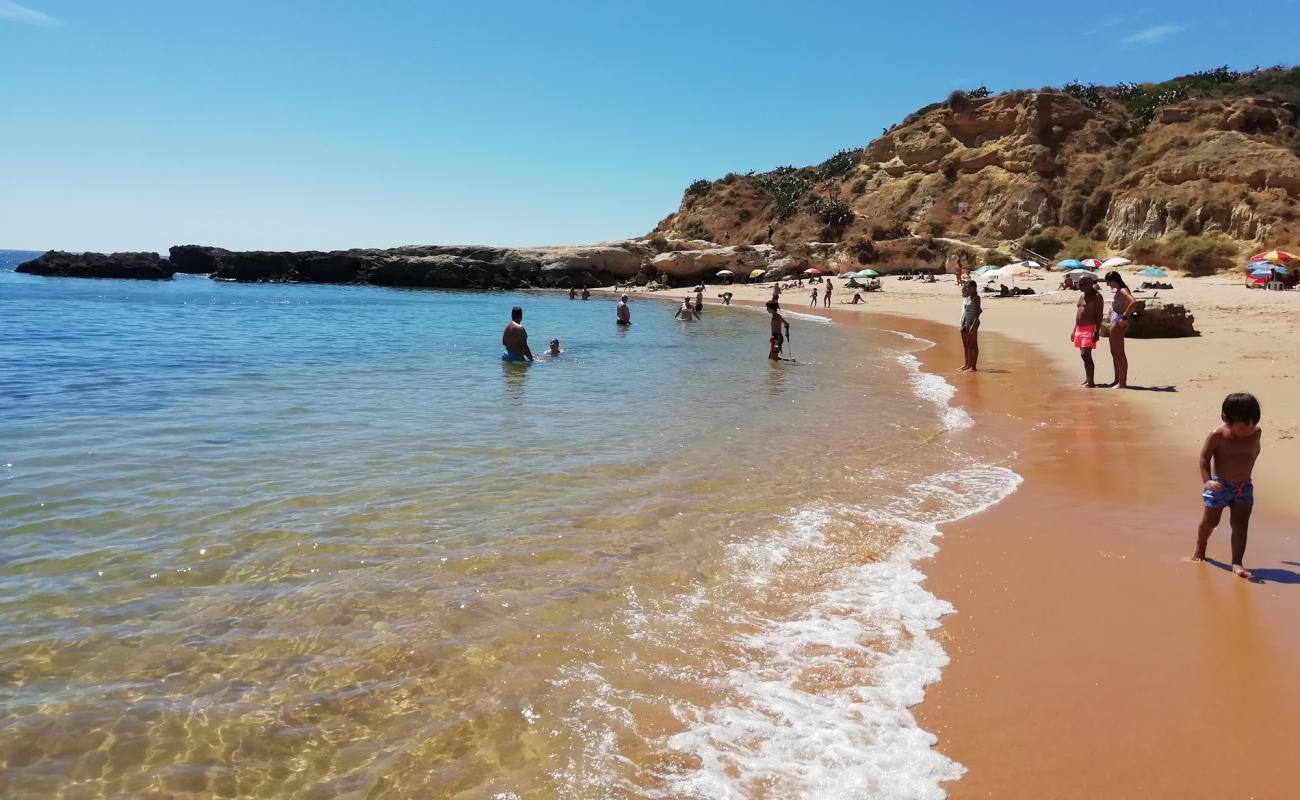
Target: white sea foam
(870,629)
(938,391)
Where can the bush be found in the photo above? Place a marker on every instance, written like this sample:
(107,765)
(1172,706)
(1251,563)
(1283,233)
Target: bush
(744,215)
(838,165)
(935,228)
(979,93)
(1043,244)
(696,230)
(698,188)
(950,171)
(659,244)
(1088,94)
(786,186)
(893,230)
(996,257)
(833,212)
(1199,255)
(1100,233)
(860,185)
(958,101)
(1295,145)
(861,248)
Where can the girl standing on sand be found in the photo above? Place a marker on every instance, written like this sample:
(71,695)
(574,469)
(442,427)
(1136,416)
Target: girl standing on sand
(970,325)
(1122,309)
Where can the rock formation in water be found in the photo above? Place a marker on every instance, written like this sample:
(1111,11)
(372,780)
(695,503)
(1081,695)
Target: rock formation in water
(1086,170)
(56,263)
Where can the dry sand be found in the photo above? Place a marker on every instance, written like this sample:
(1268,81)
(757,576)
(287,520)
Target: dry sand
(1088,658)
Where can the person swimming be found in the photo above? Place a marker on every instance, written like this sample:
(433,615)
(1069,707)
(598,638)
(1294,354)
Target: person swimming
(555,348)
(623,314)
(685,311)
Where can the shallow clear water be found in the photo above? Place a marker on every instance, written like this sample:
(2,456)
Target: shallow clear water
(311,541)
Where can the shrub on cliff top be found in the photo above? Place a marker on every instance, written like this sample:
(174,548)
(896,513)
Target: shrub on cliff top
(996,257)
(699,188)
(696,230)
(786,186)
(838,165)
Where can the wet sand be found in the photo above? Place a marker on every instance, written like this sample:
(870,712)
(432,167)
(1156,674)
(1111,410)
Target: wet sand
(1089,657)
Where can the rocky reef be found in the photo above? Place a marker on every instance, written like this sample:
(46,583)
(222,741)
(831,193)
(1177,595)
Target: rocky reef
(140,266)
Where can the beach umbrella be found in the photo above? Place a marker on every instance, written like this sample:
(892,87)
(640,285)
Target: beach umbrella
(1030,264)
(1091,263)
(1069,263)
(1013,271)
(812,271)
(1275,256)
(1076,274)
(1152,272)
(1261,273)
(1114,263)
(757,273)
(724,272)
(987,268)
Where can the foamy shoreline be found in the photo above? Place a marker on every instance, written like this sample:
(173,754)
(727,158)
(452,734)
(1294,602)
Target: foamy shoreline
(1081,641)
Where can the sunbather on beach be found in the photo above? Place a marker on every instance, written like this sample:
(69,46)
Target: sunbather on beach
(1087,326)
(1227,461)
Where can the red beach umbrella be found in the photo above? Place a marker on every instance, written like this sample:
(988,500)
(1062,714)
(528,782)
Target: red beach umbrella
(812,271)
(1276,256)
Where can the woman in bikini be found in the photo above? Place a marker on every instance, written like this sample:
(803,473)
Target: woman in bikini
(1122,308)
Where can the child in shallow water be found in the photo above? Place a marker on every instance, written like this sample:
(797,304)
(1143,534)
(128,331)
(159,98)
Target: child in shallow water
(555,348)
(1227,461)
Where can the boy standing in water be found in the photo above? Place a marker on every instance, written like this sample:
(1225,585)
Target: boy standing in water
(776,340)
(1227,461)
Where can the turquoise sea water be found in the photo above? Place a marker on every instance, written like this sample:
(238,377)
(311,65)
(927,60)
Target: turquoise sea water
(318,541)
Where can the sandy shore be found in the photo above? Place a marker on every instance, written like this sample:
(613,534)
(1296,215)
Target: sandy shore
(1089,659)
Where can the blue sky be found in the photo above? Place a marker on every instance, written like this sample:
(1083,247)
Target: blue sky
(137,124)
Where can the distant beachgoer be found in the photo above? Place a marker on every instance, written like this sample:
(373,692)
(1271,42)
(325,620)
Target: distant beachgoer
(573,292)
(770,230)
(699,294)
(515,339)
(827,294)
(970,325)
(685,311)
(1087,326)
(586,295)
(726,298)
(1121,311)
(776,292)
(699,306)
(1227,461)
(555,348)
(857,298)
(622,313)
(812,298)
(777,339)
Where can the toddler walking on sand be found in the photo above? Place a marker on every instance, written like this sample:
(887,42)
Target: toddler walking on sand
(1227,460)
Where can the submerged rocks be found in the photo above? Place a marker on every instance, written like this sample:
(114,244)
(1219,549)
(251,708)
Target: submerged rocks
(136,266)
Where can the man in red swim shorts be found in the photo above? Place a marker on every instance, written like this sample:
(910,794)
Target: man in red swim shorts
(1087,325)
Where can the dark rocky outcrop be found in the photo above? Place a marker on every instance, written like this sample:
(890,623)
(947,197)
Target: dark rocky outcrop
(138,266)
(1160,320)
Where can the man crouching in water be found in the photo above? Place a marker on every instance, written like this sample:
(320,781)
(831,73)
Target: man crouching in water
(515,338)
(777,339)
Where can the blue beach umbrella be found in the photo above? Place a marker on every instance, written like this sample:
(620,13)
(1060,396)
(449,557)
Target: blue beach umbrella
(1152,272)
(1261,273)
(1069,263)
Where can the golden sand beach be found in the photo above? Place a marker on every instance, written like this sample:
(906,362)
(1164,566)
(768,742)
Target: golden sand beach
(1089,657)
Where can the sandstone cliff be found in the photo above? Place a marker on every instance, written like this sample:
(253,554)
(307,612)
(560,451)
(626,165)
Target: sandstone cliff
(1214,154)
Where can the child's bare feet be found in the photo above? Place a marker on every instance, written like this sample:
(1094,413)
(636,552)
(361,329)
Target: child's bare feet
(1196,558)
(1241,572)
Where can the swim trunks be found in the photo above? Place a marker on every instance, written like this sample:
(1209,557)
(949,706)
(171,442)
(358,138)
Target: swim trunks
(622,322)
(1231,494)
(1085,337)
(512,357)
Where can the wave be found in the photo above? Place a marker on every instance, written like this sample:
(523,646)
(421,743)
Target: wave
(929,386)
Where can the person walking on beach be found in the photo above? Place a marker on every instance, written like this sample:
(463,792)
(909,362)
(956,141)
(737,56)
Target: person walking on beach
(1087,326)
(1121,310)
(515,339)
(826,295)
(812,299)
(777,340)
(1227,461)
(970,325)
(622,314)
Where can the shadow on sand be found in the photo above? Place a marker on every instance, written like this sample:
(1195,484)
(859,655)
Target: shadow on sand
(1264,574)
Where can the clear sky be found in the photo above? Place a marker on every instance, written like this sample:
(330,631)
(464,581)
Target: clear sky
(137,124)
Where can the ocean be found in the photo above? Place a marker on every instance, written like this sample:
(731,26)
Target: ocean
(269,541)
